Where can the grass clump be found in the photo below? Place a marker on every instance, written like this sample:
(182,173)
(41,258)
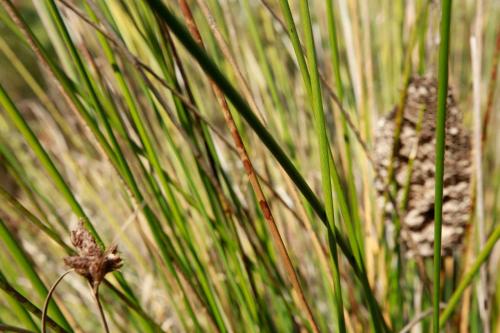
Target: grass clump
(230,149)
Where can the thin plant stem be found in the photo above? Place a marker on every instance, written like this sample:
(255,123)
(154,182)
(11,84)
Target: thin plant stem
(254,181)
(354,228)
(95,294)
(289,25)
(476,57)
(324,146)
(482,290)
(230,58)
(24,262)
(491,87)
(189,106)
(444,49)
(27,304)
(271,144)
(49,296)
(482,256)
(421,316)
(28,133)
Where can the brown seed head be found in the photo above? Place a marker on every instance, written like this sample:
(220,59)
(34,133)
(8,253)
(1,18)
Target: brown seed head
(91,262)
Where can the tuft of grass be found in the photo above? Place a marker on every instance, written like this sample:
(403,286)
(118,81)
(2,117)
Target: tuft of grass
(263,217)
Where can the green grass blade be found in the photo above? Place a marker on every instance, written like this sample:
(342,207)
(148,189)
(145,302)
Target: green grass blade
(26,266)
(324,146)
(444,49)
(481,258)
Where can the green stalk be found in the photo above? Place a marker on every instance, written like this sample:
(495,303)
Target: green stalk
(15,306)
(263,58)
(91,87)
(324,146)
(30,137)
(469,276)
(22,259)
(40,152)
(28,305)
(48,165)
(7,198)
(143,133)
(243,108)
(422,33)
(54,37)
(42,155)
(444,49)
(297,47)
(113,151)
(15,169)
(358,266)
(31,81)
(353,225)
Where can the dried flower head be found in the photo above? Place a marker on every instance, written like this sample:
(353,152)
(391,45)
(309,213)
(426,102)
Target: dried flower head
(92,262)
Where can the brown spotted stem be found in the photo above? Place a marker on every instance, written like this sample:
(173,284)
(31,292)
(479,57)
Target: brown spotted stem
(254,181)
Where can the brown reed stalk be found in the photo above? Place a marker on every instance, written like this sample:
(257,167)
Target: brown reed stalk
(254,181)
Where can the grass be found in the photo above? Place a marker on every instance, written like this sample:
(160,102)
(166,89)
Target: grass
(324,150)
(444,50)
(227,148)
